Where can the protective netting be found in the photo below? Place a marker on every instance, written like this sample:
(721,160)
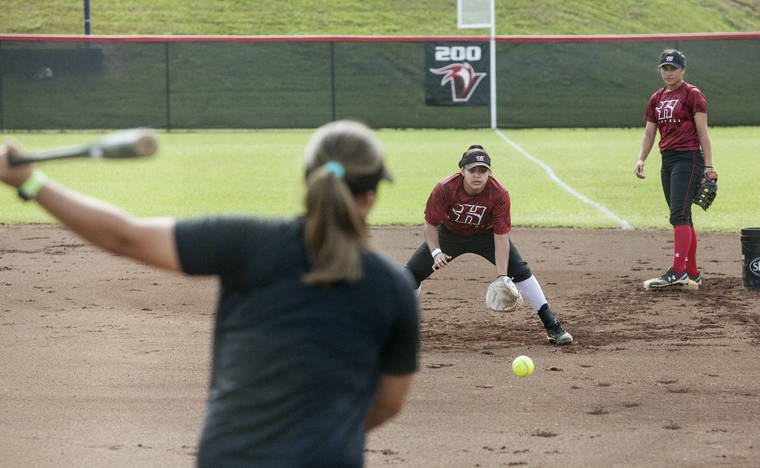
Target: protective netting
(49,84)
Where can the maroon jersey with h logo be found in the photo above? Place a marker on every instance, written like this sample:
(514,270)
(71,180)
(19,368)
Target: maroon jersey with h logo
(673,113)
(465,214)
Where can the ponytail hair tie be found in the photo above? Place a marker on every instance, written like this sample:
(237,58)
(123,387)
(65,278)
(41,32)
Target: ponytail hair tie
(336,168)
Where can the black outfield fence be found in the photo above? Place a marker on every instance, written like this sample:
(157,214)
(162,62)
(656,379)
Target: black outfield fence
(104,82)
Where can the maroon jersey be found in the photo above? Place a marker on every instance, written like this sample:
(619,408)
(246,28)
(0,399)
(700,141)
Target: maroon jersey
(673,113)
(466,214)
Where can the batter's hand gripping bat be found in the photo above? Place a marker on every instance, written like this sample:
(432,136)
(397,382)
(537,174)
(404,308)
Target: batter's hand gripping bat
(134,143)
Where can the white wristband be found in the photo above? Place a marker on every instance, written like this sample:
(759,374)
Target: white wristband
(435,252)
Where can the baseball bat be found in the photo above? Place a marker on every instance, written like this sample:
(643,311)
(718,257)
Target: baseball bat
(134,143)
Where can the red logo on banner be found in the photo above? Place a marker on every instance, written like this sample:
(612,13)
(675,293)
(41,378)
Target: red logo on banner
(462,78)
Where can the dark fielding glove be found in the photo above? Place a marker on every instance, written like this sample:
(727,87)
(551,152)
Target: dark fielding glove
(706,192)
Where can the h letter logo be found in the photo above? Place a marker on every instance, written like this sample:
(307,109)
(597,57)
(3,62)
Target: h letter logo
(665,109)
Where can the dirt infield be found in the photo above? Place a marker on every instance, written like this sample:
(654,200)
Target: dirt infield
(105,362)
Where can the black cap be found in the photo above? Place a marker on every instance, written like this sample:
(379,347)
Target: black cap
(672,57)
(474,158)
(365,183)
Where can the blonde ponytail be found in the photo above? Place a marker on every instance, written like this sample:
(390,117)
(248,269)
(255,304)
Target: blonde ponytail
(335,233)
(343,160)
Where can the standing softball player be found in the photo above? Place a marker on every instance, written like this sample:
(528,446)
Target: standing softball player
(679,111)
(316,337)
(468,212)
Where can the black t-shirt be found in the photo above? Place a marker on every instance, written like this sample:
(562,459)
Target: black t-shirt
(295,368)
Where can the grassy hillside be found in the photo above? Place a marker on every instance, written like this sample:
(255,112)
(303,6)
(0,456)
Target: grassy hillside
(376,17)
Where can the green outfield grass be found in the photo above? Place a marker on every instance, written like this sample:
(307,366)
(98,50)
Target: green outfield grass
(259,172)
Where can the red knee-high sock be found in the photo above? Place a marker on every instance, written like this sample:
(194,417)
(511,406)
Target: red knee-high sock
(681,244)
(691,256)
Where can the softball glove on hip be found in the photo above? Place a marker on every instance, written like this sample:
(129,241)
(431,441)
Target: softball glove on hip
(502,295)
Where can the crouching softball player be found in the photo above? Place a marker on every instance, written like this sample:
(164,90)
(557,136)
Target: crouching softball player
(468,212)
(316,337)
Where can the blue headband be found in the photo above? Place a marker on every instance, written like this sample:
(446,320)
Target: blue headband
(336,168)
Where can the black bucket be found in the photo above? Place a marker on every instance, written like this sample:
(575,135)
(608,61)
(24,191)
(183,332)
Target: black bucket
(751,257)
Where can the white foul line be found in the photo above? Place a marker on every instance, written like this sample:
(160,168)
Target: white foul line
(623,223)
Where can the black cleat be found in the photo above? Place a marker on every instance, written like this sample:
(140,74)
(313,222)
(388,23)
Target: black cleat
(696,278)
(556,334)
(670,278)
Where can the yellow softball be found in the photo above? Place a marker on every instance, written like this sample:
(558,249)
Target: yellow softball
(523,366)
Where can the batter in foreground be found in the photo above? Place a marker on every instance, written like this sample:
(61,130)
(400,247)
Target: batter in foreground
(315,336)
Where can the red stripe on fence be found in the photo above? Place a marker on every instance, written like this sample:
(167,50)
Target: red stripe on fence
(347,38)
(630,37)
